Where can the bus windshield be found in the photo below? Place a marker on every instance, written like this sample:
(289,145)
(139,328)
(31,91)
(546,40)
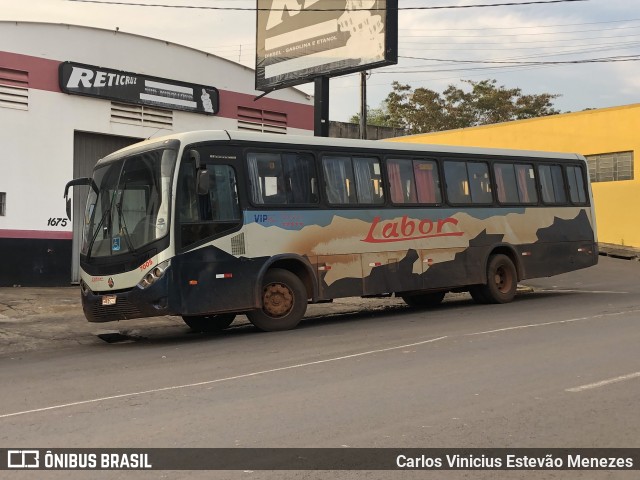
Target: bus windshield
(130,208)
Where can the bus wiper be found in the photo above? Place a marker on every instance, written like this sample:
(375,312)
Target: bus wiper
(122,224)
(97,230)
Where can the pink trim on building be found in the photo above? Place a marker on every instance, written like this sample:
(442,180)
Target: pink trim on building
(43,75)
(36,234)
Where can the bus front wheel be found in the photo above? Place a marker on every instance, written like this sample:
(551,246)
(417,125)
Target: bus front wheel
(502,281)
(209,323)
(284,302)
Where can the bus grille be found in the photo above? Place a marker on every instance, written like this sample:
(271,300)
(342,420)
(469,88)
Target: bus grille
(122,310)
(237,245)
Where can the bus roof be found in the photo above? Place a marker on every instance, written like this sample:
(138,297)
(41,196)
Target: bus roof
(199,136)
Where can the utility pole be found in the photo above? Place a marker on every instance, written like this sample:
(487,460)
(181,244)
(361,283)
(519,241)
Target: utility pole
(321,107)
(363,105)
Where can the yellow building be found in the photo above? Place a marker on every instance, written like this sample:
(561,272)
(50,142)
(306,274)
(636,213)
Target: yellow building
(608,137)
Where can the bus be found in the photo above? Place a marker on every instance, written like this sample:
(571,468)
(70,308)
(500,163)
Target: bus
(207,225)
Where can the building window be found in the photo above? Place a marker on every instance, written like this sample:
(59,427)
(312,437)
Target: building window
(3,204)
(610,167)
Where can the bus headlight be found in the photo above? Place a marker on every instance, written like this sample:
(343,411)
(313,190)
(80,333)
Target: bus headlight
(154,275)
(84,288)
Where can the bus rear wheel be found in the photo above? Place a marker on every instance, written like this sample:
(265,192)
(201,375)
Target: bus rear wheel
(424,300)
(284,302)
(209,323)
(502,281)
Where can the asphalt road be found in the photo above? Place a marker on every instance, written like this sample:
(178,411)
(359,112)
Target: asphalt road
(559,367)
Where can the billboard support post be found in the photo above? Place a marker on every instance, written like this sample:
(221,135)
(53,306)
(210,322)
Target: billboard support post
(363,105)
(321,107)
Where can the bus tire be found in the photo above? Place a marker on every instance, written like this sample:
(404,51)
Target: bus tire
(424,300)
(284,302)
(209,323)
(502,280)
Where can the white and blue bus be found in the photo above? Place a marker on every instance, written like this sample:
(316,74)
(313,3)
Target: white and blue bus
(210,224)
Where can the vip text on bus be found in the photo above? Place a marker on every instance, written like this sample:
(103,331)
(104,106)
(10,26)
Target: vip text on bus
(210,224)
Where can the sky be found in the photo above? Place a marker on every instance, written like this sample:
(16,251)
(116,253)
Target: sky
(440,40)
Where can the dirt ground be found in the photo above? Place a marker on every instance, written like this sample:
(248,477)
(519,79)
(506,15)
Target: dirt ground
(45,318)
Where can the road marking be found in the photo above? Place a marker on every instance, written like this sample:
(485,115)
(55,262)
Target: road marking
(219,380)
(557,322)
(564,290)
(609,381)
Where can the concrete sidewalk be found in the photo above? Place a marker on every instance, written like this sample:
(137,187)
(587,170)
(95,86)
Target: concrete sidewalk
(47,318)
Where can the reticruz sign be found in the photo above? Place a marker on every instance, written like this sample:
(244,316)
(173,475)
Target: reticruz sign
(80,79)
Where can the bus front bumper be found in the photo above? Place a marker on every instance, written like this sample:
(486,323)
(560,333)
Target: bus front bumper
(127,304)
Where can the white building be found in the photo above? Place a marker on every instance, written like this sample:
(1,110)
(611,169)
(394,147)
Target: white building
(69,95)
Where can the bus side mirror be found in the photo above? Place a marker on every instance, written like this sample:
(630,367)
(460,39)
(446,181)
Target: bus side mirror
(74,183)
(202,182)
(202,176)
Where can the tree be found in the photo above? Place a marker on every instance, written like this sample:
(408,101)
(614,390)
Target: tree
(423,110)
(375,116)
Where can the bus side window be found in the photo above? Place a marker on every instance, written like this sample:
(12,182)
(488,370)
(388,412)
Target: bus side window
(427,181)
(413,181)
(299,178)
(455,174)
(187,201)
(339,181)
(367,177)
(526,181)
(575,179)
(282,179)
(479,183)
(402,185)
(552,184)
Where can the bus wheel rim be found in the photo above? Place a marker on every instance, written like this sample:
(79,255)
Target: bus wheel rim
(503,280)
(277,300)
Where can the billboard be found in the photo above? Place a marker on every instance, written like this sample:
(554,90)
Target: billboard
(298,40)
(89,80)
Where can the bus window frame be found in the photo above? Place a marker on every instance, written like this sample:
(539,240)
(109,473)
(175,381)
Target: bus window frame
(465,159)
(239,180)
(523,162)
(412,158)
(585,185)
(567,201)
(313,154)
(362,153)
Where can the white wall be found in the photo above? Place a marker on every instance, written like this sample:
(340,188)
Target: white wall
(37,145)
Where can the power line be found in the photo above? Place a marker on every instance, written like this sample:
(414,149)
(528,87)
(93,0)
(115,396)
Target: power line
(522,28)
(616,29)
(535,41)
(250,9)
(615,59)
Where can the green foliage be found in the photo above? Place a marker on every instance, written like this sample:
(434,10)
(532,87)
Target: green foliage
(423,110)
(375,116)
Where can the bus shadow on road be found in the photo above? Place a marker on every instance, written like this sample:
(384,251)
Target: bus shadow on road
(457,308)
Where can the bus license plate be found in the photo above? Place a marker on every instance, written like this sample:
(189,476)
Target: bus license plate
(109,300)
